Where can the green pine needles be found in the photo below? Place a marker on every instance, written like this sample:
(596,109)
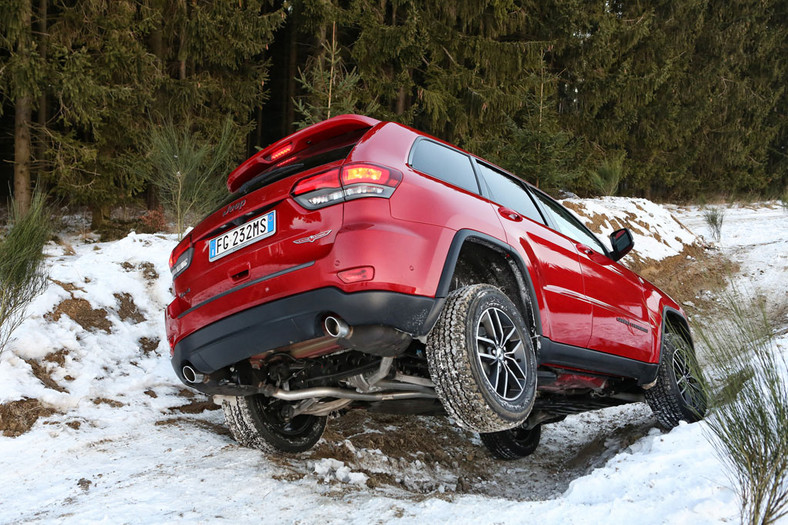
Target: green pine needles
(608,175)
(748,423)
(22,275)
(189,172)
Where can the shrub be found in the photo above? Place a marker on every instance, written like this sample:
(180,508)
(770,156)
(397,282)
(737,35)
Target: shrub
(748,422)
(22,276)
(188,171)
(608,175)
(714,217)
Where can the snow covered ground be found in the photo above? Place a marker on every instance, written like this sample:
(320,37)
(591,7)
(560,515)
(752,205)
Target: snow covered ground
(119,440)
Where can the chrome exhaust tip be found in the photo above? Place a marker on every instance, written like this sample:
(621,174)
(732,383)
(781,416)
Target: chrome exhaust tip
(191,375)
(336,327)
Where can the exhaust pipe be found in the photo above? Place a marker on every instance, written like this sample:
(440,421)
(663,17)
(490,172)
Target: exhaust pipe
(191,375)
(336,327)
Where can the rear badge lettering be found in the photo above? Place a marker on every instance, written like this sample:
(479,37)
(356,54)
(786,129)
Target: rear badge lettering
(312,238)
(234,207)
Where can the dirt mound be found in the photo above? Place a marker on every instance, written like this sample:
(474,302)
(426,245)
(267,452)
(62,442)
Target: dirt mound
(149,344)
(42,373)
(431,456)
(689,276)
(17,417)
(82,313)
(127,310)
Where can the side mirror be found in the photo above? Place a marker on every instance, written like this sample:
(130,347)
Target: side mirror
(622,242)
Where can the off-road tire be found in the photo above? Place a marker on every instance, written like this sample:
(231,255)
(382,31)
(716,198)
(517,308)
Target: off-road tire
(255,422)
(461,380)
(679,392)
(514,443)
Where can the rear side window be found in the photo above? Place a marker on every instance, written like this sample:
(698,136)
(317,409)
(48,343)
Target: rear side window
(509,193)
(445,164)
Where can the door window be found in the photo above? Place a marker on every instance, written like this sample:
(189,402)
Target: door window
(568,224)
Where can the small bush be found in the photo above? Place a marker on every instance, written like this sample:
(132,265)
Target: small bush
(748,422)
(22,276)
(608,175)
(188,171)
(714,217)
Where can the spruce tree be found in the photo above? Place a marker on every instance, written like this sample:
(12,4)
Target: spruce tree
(20,84)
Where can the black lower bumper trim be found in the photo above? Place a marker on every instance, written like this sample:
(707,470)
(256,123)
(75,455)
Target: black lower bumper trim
(298,318)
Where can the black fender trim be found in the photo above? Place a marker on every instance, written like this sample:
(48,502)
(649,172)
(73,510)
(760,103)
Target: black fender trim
(463,236)
(567,356)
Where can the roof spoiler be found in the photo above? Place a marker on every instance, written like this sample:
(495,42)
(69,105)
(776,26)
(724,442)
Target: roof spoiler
(281,150)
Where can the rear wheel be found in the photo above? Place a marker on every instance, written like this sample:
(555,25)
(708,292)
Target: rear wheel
(679,393)
(514,443)
(261,422)
(482,361)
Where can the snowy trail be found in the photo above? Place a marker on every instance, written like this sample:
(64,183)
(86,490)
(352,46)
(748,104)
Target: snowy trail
(128,445)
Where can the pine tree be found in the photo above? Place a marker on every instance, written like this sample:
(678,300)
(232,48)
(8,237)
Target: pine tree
(329,88)
(20,83)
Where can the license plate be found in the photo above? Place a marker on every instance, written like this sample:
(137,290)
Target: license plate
(244,235)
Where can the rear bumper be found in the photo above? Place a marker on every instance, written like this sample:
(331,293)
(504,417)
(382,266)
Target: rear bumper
(298,318)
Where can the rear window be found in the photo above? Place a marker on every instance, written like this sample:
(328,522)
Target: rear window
(509,193)
(445,164)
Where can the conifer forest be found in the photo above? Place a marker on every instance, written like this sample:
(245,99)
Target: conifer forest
(669,100)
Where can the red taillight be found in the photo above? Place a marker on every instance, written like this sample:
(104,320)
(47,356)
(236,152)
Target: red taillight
(321,181)
(181,256)
(370,174)
(353,181)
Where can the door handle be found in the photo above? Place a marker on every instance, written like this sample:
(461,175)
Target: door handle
(582,248)
(512,215)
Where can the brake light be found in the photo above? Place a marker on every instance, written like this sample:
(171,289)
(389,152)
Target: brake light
(370,174)
(181,256)
(281,152)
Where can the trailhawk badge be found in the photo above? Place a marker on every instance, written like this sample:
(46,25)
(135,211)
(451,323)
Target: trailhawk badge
(312,238)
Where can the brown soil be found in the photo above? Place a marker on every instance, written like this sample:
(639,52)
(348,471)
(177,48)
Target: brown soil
(149,271)
(17,417)
(149,344)
(69,287)
(58,358)
(689,275)
(82,313)
(127,310)
(196,407)
(42,373)
(105,401)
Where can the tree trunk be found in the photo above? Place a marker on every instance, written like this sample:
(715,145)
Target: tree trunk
(23,116)
(23,113)
(42,50)
(292,71)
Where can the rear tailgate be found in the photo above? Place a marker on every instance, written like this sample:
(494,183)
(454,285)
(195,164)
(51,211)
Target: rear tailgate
(263,232)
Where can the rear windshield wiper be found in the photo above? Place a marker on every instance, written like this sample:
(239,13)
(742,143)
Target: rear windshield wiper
(267,176)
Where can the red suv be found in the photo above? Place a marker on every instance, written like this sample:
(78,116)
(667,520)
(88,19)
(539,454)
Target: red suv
(364,264)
